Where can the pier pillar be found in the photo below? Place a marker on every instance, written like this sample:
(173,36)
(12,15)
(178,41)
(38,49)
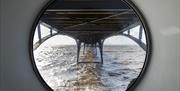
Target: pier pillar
(128,32)
(84,48)
(78,49)
(140,32)
(39,32)
(51,32)
(101,49)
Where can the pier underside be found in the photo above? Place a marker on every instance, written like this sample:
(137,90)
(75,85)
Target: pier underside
(90,22)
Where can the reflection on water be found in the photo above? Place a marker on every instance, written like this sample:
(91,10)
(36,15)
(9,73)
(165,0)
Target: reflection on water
(88,75)
(58,67)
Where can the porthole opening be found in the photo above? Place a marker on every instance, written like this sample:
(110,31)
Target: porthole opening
(89,45)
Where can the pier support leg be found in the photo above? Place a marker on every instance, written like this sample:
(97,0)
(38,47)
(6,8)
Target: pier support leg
(39,32)
(78,49)
(96,49)
(128,32)
(51,32)
(101,50)
(84,48)
(140,32)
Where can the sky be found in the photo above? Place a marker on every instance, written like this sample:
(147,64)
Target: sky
(66,40)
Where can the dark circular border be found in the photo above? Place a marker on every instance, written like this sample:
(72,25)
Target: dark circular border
(139,14)
(32,32)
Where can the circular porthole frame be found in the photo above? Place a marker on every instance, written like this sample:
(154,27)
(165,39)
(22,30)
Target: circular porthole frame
(139,14)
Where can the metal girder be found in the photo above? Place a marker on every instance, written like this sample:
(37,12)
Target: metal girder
(39,32)
(101,49)
(78,49)
(139,42)
(130,26)
(37,44)
(88,4)
(93,21)
(140,32)
(76,10)
(48,26)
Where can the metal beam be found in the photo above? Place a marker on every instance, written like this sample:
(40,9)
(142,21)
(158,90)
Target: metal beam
(51,31)
(64,10)
(87,18)
(140,43)
(37,44)
(85,23)
(78,49)
(39,32)
(140,32)
(128,31)
(101,49)
(130,26)
(82,21)
(84,48)
(101,13)
(48,26)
